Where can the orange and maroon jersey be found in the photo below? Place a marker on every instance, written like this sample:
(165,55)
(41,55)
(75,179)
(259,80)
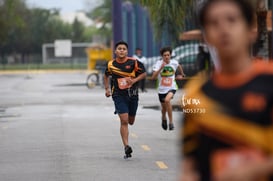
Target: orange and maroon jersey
(231,118)
(120,71)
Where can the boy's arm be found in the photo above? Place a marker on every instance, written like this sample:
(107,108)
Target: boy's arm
(138,78)
(106,85)
(155,75)
(106,82)
(251,171)
(180,73)
(157,71)
(141,74)
(180,69)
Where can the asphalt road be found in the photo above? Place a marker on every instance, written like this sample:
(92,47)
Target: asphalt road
(52,128)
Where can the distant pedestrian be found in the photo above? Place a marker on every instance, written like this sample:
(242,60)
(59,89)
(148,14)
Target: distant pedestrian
(165,72)
(126,72)
(138,55)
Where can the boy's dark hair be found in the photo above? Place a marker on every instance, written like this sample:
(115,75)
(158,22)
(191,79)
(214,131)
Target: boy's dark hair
(121,43)
(245,6)
(165,49)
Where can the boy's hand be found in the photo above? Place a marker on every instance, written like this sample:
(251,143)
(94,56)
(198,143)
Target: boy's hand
(253,171)
(131,81)
(107,92)
(179,77)
(163,65)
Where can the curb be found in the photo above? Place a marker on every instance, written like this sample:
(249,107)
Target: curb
(12,72)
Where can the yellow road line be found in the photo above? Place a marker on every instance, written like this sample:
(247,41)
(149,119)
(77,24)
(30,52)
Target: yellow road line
(134,135)
(161,165)
(146,147)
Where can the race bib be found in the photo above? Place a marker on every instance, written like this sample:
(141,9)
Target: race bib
(167,81)
(123,84)
(224,160)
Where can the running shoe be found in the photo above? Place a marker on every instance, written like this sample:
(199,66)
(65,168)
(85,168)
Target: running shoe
(128,151)
(164,124)
(171,126)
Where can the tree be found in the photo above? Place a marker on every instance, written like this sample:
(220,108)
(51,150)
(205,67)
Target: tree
(103,14)
(24,30)
(167,16)
(77,31)
(11,13)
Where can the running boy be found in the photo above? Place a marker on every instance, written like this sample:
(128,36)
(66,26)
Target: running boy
(164,71)
(126,72)
(229,135)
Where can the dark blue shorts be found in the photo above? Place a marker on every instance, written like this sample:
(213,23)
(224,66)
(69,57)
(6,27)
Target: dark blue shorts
(125,104)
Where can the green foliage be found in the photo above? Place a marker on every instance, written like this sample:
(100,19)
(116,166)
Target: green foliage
(24,30)
(89,32)
(167,16)
(103,15)
(77,31)
(11,12)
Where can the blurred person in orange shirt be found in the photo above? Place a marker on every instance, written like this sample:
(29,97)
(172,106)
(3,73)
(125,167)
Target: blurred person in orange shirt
(227,131)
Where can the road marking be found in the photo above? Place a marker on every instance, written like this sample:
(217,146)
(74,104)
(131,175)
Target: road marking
(161,165)
(134,135)
(5,127)
(146,147)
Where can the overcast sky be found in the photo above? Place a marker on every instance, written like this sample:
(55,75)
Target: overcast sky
(64,5)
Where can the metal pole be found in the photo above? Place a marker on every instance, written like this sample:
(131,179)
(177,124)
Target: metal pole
(117,20)
(44,53)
